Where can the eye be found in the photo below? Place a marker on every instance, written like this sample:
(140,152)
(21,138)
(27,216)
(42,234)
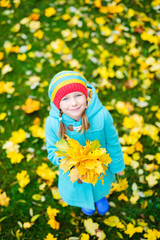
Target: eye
(64,99)
(79,95)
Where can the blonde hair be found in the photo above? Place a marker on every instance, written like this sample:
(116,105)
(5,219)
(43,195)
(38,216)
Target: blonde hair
(63,128)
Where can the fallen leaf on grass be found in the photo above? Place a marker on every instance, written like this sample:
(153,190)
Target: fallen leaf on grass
(18,136)
(55,193)
(4,199)
(152,234)
(52,213)
(46,173)
(31,106)
(84,236)
(23,178)
(6,69)
(90,226)
(131,230)
(112,221)
(50,237)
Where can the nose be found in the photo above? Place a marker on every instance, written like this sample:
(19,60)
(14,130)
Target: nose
(73,101)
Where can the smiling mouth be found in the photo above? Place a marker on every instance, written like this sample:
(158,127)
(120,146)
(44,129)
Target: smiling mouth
(75,109)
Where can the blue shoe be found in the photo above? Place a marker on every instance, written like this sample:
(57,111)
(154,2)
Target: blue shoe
(102,206)
(87,211)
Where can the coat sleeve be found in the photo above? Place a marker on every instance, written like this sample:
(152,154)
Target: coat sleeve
(113,145)
(51,139)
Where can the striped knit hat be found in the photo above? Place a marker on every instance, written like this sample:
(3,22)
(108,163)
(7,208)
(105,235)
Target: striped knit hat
(66,82)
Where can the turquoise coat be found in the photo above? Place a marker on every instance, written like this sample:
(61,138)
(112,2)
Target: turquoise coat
(102,128)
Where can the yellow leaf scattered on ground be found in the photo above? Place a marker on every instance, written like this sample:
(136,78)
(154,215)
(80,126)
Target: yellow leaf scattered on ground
(49,12)
(52,213)
(31,106)
(23,178)
(112,221)
(18,136)
(131,229)
(4,200)
(46,173)
(90,226)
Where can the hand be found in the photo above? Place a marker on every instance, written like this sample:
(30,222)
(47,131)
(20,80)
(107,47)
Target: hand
(120,173)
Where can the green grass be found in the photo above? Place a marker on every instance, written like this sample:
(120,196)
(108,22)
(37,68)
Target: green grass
(22,207)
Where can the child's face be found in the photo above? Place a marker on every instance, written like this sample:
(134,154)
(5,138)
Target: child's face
(73,104)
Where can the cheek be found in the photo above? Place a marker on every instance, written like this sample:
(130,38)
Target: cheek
(61,106)
(84,102)
(64,106)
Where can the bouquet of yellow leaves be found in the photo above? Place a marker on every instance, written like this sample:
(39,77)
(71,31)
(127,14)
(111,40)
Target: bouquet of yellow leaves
(85,163)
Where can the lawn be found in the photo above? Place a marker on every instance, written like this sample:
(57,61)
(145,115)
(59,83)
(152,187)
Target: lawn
(115,44)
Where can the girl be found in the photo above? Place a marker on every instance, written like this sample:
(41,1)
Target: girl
(77,112)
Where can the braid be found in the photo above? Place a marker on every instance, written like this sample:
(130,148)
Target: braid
(62,127)
(85,123)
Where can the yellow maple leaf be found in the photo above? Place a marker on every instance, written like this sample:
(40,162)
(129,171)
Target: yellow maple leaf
(15,157)
(22,57)
(124,107)
(85,163)
(16,28)
(1,55)
(66,17)
(27,225)
(6,87)
(157,157)
(133,121)
(53,223)
(121,186)
(131,229)
(49,12)
(112,221)
(151,131)
(18,136)
(57,45)
(90,226)
(4,200)
(84,236)
(2,116)
(123,197)
(55,193)
(6,68)
(74,174)
(120,225)
(135,197)
(11,147)
(31,106)
(23,178)
(100,234)
(50,237)
(152,178)
(37,131)
(52,212)
(105,30)
(158,114)
(152,234)
(127,159)
(61,202)
(46,173)
(100,20)
(39,34)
